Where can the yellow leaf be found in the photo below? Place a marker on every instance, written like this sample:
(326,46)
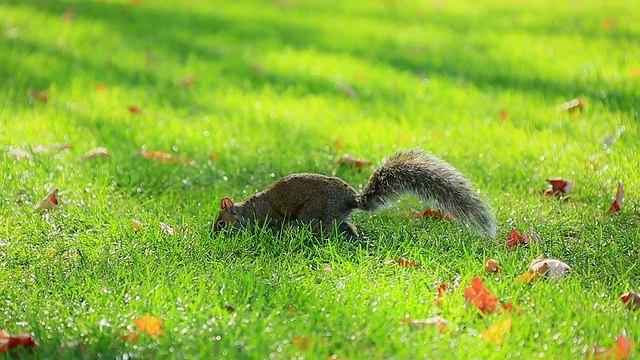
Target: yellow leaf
(150,324)
(495,333)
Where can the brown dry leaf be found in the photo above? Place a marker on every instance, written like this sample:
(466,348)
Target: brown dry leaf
(49,202)
(551,268)
(631,299)
(436,321)
(150,325)
(351,161)
(496,332)
(97,153)
(514,239)
(41,96)
(137,225)
(55,147)
(130,337)
(167,229)
(8,342)
(559,187)
(135,110)
(617,203)
(164,158)
(573,106)
(492,266)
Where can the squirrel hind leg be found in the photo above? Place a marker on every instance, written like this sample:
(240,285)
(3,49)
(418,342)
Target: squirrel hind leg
(348,230)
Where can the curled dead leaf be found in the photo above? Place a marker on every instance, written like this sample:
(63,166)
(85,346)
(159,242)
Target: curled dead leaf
(97,153)
(351,161)
(559,187)
(49,202)
(436,321)
(491,266)
(617,203)
(551,268)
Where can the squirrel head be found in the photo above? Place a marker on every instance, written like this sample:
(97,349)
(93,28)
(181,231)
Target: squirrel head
(228,217)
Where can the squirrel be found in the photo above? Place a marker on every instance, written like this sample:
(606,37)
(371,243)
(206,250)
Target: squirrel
(324,202)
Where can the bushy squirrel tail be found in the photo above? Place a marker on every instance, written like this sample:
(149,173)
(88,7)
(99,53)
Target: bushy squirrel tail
(432,180)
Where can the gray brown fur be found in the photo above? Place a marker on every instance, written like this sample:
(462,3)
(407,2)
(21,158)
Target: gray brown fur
(324,201)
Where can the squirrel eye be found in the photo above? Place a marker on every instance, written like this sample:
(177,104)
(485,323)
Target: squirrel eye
(221,225)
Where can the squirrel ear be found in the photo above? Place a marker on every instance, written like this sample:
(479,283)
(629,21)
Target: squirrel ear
(226,203)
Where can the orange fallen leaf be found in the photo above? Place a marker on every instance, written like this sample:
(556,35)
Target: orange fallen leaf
(214,155)
(503,114)
(617,203)
(491,266)
(621,349)
(337,144)
(97,153)
(41,96)
(479,296)
(8,342)
(631,299)
(496,332)
(351,161)
(407,263)
(130,337)
(137,225)
(164,158)
(49,202)
(150,325)
(436,321)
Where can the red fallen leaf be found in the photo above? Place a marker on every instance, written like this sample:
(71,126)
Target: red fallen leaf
(559,187)
(436,321)
(48,202)
(164,158)
(150,325)
(437,215)
(442,289)
(503,114)
(351,161)
(8,342)
(621,349)
(514,239)
(41,96)
(479,296)
(134,109)
(631,299)
(617,203)
(407,263)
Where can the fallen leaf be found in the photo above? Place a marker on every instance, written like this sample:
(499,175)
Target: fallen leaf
(351,161)
(303,343)
(134,109)
(130,337)
(617,203)
(631,299)
(503,114)
(337,144)
(491,266)
(551,268)
(436,215)
(164,158)
(55,147)
(514,239)
(97,153)
(69,15)
(101,87)
(559,187)
(436,321)
(8,342)
(214,155)
(479,296)
(165,228)
(48,202)
(150,325)
(573,106)
(621,349)
(41,96)
(496,332)
(405,262)
(137,225)
(185,82)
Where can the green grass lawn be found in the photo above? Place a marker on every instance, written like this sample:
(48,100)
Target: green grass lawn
(251,91)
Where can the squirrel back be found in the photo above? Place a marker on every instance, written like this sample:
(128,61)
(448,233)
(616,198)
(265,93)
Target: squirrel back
(324,202)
